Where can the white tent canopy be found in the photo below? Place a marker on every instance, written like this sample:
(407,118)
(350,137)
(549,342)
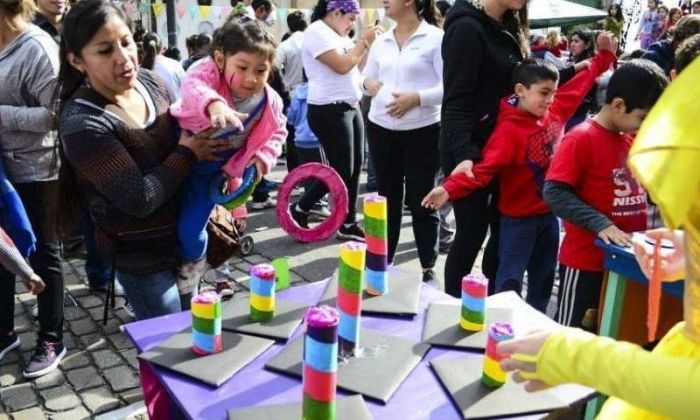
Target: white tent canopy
(548,13)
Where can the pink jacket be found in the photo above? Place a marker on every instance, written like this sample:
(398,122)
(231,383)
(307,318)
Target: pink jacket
(202,86)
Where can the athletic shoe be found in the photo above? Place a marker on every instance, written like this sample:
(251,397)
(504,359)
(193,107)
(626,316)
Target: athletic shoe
(353,232)
(321,210)
(269,185)
(128,309)
(47,355)
(8,342)
(262,205)
(301,218)
(297,191)
(224,289)
(429,275)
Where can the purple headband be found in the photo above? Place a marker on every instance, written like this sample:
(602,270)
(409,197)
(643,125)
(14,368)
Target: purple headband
(346,6)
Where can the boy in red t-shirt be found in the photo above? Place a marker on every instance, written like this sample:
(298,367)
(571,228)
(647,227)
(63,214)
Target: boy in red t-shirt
(589,186)
(519,152)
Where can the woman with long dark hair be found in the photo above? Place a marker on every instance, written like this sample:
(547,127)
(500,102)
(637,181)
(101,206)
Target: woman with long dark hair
(28,66)
(581,49)
(403,75)
(123,161)
(330,60)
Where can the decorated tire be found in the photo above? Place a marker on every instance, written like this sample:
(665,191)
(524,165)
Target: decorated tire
(238,197)
(339,197)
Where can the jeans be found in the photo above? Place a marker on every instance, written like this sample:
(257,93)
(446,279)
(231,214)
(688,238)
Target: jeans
(97,267)
(39,200)
(529,243)
(408,160)
(340,130)
(151,295)
(474,216)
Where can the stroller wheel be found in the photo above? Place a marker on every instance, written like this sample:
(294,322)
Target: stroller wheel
(247,245)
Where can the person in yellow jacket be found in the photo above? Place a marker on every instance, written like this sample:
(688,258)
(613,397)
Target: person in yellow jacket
(642,385)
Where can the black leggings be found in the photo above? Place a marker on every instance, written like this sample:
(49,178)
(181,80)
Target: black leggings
(39,200)
(408,160)
(340,130)
(474,214)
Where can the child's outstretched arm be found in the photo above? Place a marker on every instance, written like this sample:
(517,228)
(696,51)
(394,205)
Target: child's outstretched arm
(571,94)
(666,385)
(12,260)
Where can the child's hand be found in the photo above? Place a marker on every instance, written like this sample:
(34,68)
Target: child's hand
(372,86)
(202,146)
(607,42)
(465,166)
(612,234)
(35,284)
(672,265)
(259,165)
(223,116)
(435,198)
(521,353)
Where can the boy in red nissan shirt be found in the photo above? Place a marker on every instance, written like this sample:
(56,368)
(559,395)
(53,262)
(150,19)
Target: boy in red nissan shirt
(589,186)
(519,152)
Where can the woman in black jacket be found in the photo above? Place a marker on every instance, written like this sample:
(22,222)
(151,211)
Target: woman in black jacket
(483,42)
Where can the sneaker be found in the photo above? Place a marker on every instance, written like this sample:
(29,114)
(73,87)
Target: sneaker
(128,309)
(298,215)
(8,343)
(46,357)
(297,191)
(269,185)
(262,205)
(353,232)
(224,289)
(320,210)
(429,275)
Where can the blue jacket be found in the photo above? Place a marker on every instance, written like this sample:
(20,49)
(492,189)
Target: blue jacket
(13,217)
(296,115)
(661,53)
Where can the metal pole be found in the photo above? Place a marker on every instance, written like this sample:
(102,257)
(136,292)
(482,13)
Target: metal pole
(170,16)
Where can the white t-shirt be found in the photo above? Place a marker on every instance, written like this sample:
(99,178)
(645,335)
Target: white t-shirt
(325,85)
(171,73)
(288,57)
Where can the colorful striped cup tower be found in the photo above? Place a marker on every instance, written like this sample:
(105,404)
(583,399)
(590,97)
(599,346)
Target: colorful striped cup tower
(350,269)
(320,363)
(493,375)
(206,323)
(474,290)
(377,245)
(262,292)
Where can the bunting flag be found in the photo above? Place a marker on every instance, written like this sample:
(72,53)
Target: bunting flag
(193,9)
(225,11)
(282,15)
(204,11)
(158,9)
(371,13)
(362,15)
(381,13)
(144,8)
(215,13)
(181,10)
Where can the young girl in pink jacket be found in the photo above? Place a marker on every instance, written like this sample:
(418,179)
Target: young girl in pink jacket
(227,90)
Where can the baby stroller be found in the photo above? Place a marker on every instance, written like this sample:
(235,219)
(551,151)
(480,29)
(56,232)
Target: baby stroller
(226,237)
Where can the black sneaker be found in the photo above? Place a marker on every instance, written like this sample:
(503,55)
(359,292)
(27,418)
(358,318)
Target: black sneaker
(429,276)
(8,343)
(301,218)
(353,232)
(47,355)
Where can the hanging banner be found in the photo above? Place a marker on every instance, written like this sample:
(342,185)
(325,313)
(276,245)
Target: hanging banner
(144,8)
(282,15)
(193,11)
(371,13)
(205,11)
(181,9)
(381,13)
(225,11)
(216,13)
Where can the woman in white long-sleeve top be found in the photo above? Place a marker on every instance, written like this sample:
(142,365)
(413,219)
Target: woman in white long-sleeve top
(403,76)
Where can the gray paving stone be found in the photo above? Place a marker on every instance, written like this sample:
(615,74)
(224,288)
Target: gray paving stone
(19,308)
(83,326)
(89,301)
(85,378)
(23,323)
(120,341)
(244,267)
(12,357)
(69,341)
(113,326)
(33,413)
(73,313)
(121,378)
(50,380)
(20,288)
(61,398)
(27,341)
(93,342)
(78,290)
(10,375)
(78,413)
(105,359)
(27,299)
(256,259)
(75,360)
(99,400)
(130,356)
(131,396)
(19,397)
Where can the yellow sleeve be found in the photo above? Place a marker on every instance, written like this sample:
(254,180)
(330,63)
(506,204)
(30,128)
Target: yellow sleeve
(666,385)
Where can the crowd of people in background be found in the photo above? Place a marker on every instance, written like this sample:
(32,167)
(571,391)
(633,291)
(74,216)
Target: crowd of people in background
(109,129)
